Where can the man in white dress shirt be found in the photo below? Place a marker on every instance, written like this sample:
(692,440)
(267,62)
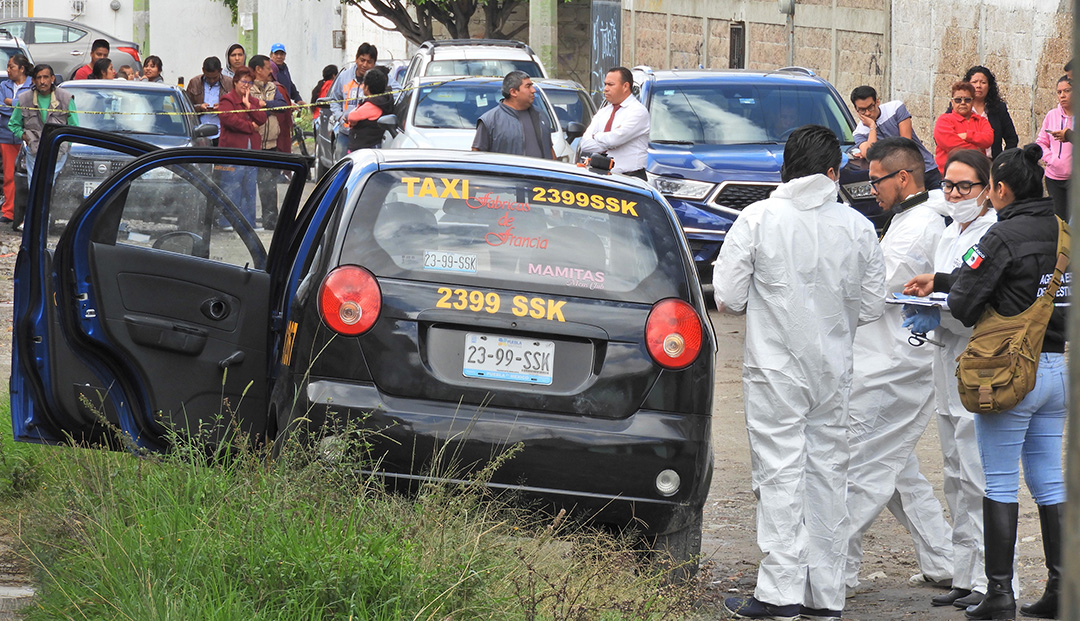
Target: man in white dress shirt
(622,129)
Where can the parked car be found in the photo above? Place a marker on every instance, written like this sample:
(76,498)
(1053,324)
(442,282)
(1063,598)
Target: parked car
(572,104)
(479,57)
(157,113)
(444,300)
(397,69)
(716,143)
(10,46)
(437,113)
(66,45)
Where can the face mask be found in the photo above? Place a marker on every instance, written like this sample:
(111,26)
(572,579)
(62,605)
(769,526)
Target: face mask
(967,209)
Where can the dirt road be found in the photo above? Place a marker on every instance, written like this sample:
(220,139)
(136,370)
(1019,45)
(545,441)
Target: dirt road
(730,542)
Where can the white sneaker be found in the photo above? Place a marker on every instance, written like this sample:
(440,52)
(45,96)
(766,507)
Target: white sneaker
(920,579)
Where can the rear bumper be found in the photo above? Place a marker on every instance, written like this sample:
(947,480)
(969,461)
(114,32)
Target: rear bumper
(597,469)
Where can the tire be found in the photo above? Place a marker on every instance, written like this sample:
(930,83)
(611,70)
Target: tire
(680,551)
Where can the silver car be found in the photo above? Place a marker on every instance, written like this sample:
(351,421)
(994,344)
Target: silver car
(66,45)
(441,113)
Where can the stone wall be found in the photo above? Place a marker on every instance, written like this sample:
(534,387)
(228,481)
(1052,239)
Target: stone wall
(1024,42)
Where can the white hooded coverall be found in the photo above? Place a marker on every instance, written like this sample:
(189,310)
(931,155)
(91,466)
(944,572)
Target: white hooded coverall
(891,404)
(806,270)
(964,480)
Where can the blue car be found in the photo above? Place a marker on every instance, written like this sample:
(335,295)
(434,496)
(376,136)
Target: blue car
(457,304)
(717,139)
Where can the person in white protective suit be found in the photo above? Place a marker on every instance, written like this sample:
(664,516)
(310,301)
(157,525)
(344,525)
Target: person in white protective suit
(892,386)
(806,270)
(967,175)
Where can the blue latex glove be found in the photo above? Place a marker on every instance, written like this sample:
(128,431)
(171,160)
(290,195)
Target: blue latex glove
(921,319)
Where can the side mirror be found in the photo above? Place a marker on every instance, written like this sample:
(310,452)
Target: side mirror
(575,130)
(389,123)
(205,130)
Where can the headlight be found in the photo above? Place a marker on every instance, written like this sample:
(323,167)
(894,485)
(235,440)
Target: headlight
(681,188)
(858,191)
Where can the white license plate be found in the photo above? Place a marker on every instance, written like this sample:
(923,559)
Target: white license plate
(508,359)
(88,187)
(449,261)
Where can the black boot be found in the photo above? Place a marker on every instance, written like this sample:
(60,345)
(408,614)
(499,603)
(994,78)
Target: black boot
(1047,607)
(999,540)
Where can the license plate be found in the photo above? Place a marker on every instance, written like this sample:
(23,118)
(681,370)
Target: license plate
(88,187)
(449,261)
(508,359)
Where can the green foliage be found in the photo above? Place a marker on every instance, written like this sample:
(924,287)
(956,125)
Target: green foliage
(233,6)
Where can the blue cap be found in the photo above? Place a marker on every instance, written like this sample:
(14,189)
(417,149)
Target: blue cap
(277,47)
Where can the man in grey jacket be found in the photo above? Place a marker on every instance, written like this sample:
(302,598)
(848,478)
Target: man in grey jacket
(514,126)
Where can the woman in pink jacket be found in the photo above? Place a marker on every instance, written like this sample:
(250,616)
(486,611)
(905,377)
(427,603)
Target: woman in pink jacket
(1057,148)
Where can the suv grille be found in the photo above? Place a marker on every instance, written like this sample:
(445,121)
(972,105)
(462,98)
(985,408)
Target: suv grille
(739,195)
(81,167)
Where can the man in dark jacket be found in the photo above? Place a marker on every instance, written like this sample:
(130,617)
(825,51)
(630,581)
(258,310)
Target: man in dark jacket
(514,126)
(206,91)
(281,73)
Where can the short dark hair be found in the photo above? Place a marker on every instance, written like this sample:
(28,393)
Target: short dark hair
(98,44)
(329,72)
(1019,169)
(241,73)
(39,67)
(863,92)
(23,63)
(897,152)
(974,158)
(1064,78)
(810,150)
(376,81)
(624,74)
(258,60)
(513,80)
(211,63)
(367,49)
(153,60)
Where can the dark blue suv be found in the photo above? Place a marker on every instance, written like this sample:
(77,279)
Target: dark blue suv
(717,143)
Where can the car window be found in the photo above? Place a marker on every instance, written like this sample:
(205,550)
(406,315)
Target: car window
(15,29)
(130,111)
(74,34)
(570,106)
(741,113)
(52,33)
(458,105)
(515,232)
(483,68)
(7,51)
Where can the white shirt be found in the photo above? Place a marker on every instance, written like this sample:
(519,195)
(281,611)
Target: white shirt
(628,141)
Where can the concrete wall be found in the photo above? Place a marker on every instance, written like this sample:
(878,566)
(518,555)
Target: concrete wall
(844,41)
(184,33)
(1024,42)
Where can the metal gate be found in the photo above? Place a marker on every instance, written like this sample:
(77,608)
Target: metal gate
(12,8)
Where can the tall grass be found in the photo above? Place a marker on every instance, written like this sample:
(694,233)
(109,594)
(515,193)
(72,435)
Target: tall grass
(236,535)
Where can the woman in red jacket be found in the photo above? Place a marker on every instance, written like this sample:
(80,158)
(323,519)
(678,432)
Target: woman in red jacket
(961,128)
(240,120)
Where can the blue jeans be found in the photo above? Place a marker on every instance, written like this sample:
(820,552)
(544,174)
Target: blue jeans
(1032,432)
(239,183)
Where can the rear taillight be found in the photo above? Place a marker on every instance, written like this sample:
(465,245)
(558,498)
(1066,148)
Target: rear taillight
(131,51)
(673,334)
(350,300)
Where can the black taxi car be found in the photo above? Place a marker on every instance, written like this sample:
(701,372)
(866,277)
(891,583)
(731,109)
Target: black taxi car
(456,302)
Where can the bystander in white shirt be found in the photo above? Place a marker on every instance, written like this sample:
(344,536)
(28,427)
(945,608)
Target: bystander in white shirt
(627,140)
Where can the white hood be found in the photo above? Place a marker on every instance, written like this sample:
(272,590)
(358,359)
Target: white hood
(808,192)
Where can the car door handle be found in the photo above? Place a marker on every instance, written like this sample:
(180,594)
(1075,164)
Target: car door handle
(215,309)
(76,52)
(235,358)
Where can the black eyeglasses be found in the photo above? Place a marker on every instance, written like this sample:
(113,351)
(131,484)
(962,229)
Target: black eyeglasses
(875,182)
(963,187)
(962,100)
(865,110)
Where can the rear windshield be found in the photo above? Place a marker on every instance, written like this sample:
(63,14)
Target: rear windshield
(129,111)
(458,105)
(516,233)
(484,68)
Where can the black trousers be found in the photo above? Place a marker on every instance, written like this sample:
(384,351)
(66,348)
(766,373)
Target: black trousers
(1059,192)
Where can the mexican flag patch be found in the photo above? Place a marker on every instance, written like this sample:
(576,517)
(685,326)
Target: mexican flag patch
(974,257)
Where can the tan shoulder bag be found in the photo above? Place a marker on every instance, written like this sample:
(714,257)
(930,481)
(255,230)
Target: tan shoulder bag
(998,367)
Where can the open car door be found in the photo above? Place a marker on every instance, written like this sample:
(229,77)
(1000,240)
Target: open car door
(148,312)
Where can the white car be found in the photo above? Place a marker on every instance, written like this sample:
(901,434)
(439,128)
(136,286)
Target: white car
(441,113)
(479,57)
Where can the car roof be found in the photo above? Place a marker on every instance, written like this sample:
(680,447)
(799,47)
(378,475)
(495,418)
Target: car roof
(731,76)
(429,80)
(81,26)
(485,52)
(518,162)
(559,84)
(126,85)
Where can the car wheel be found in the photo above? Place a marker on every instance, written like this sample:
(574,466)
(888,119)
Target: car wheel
(678,552)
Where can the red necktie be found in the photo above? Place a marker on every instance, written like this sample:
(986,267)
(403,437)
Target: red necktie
(614,109)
